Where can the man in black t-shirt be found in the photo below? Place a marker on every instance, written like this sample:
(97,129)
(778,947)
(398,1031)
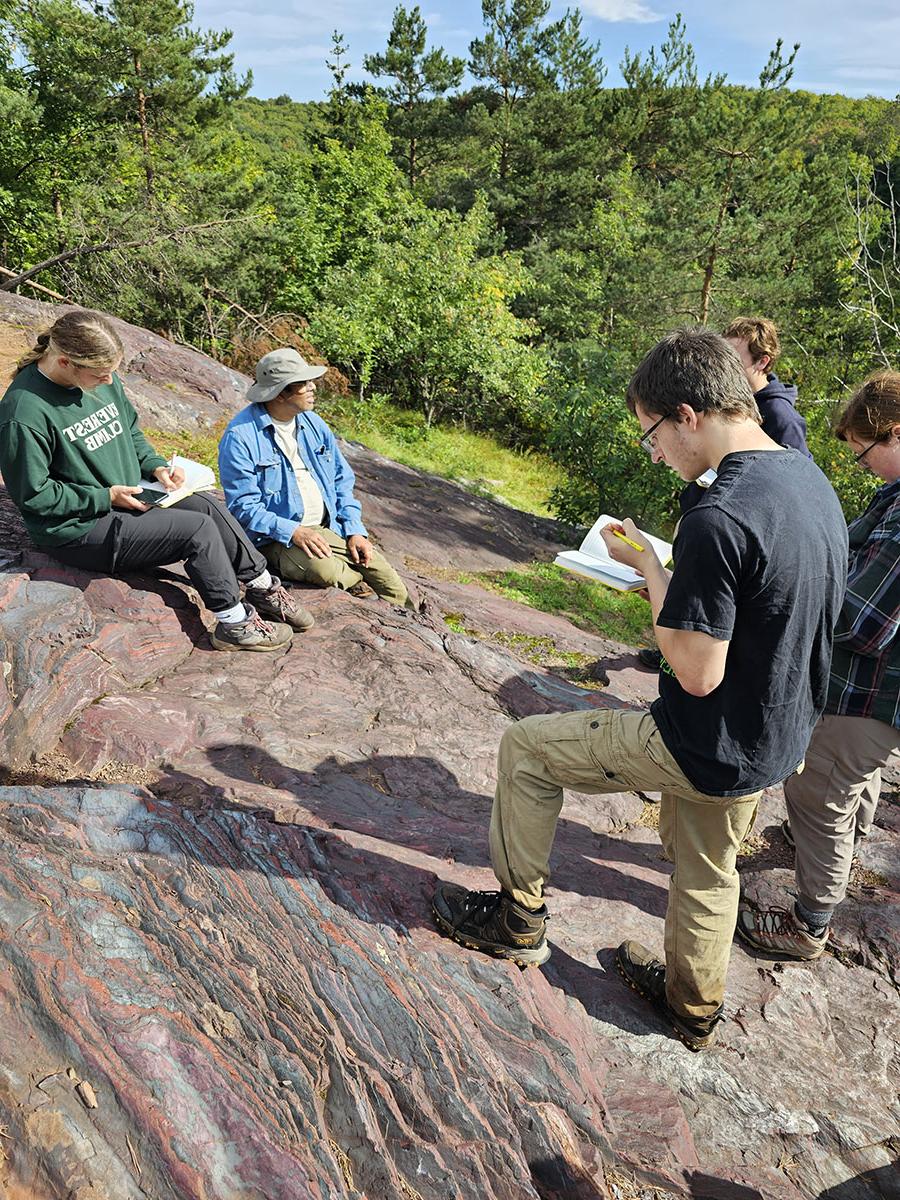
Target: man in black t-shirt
(744,621)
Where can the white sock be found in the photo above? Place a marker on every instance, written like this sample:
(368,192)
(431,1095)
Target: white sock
(261,583)
(233,615)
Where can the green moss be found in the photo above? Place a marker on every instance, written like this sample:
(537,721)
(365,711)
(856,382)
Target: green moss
(541,651)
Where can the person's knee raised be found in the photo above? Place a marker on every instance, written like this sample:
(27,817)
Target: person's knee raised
(202,531)
(324,571)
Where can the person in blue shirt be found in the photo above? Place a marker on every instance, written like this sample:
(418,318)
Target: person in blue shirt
(290,487)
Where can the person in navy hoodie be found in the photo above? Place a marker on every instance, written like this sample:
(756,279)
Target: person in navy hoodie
(756,341)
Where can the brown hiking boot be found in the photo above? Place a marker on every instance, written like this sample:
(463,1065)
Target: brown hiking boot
(646,975)
(492,922)
(361,590)
(252,634)
(779,933)
(277,604)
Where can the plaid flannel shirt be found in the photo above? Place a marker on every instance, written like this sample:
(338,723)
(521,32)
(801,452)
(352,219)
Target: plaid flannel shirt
(865,664)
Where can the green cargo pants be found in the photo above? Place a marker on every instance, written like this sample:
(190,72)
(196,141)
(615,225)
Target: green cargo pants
(338,570)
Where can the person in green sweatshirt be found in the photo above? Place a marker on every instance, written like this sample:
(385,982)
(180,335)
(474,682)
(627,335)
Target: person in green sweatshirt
(72,457)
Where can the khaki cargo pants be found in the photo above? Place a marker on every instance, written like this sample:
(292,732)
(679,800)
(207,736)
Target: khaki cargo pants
(833,802)
(290,562)
(615,751)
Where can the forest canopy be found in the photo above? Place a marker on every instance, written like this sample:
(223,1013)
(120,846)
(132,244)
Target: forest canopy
(499,253)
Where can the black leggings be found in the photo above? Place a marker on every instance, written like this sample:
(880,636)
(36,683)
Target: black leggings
(198,530)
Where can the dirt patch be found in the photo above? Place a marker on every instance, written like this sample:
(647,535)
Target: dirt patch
(51,770)
(14,341)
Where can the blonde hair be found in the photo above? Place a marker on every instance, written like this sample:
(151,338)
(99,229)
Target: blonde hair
(760,335)
(873,410)
(86,338)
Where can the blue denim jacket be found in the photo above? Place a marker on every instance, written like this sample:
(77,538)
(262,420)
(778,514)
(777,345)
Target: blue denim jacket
(260,485)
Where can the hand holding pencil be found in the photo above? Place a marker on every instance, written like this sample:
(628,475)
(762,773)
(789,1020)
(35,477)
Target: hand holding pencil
(626,544)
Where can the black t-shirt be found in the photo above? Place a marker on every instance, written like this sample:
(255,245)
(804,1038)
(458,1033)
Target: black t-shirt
(761,562)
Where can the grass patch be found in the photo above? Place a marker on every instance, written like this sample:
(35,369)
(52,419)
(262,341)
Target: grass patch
(522,479)
(590,606)
(201,447)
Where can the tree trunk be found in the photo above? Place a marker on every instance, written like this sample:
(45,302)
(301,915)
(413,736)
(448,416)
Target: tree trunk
(710,268)
(58,213)
(143,126)
(413,148)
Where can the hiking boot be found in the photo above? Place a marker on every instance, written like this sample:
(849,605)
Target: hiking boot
(278,604)
(650,657)
(492,922)
(361,590)
(252,634)
(779,934)
(646,975)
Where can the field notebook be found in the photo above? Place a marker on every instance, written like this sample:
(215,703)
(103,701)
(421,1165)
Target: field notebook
(592,559)
(197,478)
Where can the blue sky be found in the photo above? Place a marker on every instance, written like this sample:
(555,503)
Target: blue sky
(849,48)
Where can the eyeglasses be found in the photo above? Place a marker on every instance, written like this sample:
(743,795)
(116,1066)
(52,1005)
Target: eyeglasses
(647,441)
(862,454)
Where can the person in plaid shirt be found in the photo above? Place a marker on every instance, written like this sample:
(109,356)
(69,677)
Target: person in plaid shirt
(831,804)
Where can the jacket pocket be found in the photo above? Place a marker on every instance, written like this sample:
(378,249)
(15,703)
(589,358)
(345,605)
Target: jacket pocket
(270,476)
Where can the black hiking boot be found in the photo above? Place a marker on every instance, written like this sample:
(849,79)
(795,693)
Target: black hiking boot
(492,922)
(646,975)
(650,657)
(252,634)
(277,604)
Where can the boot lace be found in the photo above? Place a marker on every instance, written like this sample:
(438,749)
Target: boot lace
(774,922)
(256,623)
(481,905)
(281,597)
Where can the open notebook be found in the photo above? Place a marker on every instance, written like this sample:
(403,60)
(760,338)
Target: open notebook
(592,559)
(197,478)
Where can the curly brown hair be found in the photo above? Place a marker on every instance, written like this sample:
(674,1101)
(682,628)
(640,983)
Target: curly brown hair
(873,410)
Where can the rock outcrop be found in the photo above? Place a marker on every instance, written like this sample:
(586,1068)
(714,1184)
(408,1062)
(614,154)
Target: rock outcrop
(220,977)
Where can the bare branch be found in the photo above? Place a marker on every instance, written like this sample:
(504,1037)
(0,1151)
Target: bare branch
(116,244)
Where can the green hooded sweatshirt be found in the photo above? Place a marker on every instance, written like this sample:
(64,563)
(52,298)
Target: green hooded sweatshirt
(62,449)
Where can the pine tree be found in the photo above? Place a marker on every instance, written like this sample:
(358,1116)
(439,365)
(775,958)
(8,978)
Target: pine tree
(171,79)
(417,74)
(512,59)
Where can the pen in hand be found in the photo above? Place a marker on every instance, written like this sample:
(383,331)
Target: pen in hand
(634,545)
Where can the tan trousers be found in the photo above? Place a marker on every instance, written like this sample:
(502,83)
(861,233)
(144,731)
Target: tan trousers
(833,800)
(290,562)
(614,751)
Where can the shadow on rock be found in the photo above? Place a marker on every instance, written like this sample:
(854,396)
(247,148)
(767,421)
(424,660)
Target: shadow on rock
(412,803)
(883,1183)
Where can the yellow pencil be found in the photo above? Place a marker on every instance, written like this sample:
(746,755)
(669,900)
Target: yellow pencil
(628,540)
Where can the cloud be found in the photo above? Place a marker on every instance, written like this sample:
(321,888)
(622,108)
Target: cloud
(620,10)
